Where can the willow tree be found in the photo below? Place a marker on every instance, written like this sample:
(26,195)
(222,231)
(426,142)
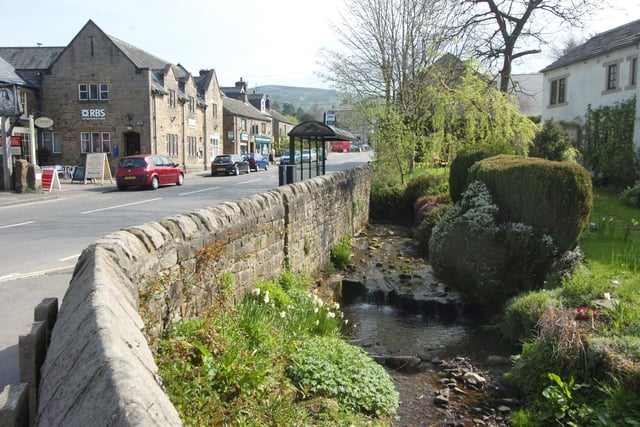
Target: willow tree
(467,111)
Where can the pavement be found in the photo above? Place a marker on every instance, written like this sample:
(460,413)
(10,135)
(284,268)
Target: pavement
(68,188)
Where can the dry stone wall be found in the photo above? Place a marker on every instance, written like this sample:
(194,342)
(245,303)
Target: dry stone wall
(99,369)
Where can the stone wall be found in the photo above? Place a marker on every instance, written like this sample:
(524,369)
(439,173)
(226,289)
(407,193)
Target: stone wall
(99,369)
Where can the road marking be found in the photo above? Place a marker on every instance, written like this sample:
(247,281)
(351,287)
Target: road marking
(198,191)
(15,276)
(248,182)
(121,206)
(68,258)
(17,225)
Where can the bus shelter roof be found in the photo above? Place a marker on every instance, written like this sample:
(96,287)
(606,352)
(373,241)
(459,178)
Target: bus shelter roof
(314,129)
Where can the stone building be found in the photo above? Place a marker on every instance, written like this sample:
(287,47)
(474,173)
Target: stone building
(247,125)
(105,95)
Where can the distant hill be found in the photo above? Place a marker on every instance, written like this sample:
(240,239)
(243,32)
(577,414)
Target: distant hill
(307,98)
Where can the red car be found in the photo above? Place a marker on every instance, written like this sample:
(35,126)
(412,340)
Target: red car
(148,170)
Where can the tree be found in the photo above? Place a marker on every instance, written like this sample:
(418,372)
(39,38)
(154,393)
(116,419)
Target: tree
(505,29)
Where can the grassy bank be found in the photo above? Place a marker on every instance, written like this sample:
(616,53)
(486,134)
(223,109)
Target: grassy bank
(583,365)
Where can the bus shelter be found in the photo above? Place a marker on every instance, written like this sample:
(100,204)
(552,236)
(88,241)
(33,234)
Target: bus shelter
(308,150)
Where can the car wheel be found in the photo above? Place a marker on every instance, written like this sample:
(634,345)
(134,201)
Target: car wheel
(236,171)
(180,180)
(266,166)
(155,183)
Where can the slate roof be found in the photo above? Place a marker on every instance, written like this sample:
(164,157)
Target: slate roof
(279,117)
(30,58)
(600,44)
(242,109)
(139,57)
(8,74)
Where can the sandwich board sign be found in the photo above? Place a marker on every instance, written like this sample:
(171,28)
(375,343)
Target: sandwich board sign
(97,167)
(49,179)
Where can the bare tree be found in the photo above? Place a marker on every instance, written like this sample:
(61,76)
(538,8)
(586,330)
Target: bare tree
(387,45)
(505,30)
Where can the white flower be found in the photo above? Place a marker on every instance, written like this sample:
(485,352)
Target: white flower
(336,306)
(266,297)
(315,309)
(283,314)
(256,291)
(317,322)
(331,314)
(607,295)
(615,282)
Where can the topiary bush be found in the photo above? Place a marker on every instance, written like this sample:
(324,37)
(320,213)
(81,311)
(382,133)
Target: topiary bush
(330,367)
(460,166)
(429,210)
(512,228)
(555,198)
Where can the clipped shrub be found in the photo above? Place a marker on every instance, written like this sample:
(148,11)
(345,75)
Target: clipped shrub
(555,198)
(551,142)
(460,166)
(488,260)
(330,367)
(522,313)
(422,185)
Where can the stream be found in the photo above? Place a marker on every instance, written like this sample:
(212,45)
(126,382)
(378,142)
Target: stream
(432,343)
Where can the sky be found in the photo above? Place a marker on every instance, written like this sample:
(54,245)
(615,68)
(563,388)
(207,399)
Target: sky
(274,42)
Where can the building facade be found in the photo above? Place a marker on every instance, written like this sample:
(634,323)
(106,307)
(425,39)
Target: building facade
(107,96)
(601,72)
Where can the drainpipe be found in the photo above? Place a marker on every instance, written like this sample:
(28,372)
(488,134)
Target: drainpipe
(155,125)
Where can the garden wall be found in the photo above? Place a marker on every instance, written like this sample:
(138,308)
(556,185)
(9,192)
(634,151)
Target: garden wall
(99,369)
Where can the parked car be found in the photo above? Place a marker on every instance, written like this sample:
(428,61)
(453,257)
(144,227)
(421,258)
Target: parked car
(341,147)
(148,170)
(285,158)
(257,161)
(226,164)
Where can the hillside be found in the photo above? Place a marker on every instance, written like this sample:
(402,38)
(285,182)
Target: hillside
(307,98)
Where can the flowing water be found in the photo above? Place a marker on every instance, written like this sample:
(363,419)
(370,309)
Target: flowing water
(396,308)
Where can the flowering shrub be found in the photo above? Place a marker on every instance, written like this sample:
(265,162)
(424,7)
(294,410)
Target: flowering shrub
(586,313)
(489,260)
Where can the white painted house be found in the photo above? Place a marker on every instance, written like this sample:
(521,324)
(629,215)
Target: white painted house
(602,71)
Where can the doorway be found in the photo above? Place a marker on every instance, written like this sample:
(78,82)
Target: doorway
(131,143)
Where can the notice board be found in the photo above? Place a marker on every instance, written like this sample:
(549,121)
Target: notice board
(97,167)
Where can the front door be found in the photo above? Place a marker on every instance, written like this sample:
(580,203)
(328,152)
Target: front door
(131,143)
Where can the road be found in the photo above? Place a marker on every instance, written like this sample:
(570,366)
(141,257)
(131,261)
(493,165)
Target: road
(42,240)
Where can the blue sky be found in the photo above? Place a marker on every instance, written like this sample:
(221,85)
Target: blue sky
(265,42)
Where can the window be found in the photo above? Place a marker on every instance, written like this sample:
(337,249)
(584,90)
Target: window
(215,111)
(93,92)
(633,72)
(191,146)
(254,129)
(264,128)
(192,104)
(95,142)
(612,76)
(172,144)
(52,141)
(558,91)
(23,102)
(172,98)
(243,124)
(215,146)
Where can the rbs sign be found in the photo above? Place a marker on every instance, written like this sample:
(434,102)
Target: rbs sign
(93,113)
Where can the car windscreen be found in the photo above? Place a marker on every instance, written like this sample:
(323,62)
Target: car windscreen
(132,163)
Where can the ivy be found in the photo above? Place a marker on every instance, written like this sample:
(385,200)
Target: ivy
(607,147)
